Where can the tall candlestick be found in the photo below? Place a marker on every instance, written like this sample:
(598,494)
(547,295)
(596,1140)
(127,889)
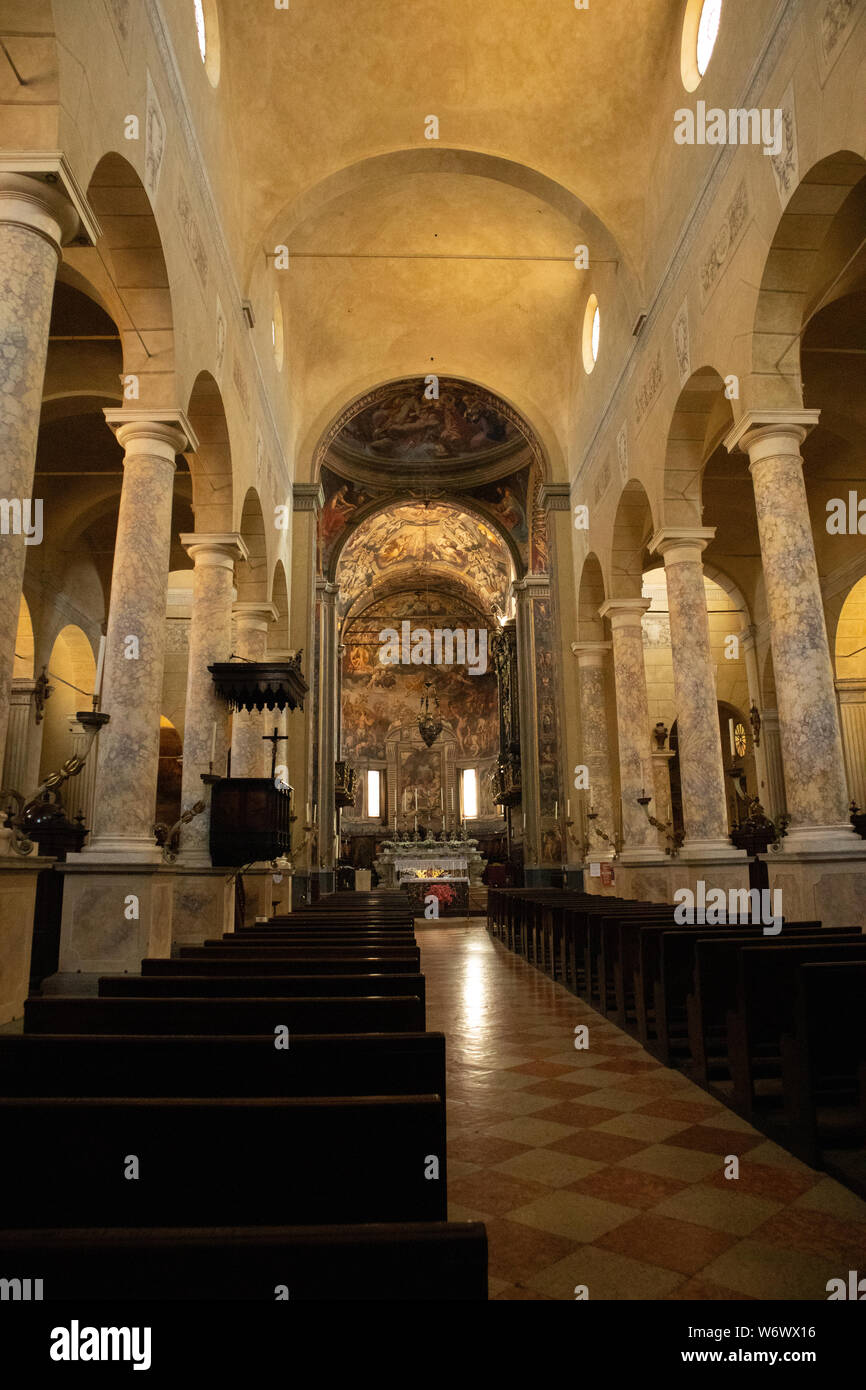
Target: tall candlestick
(213,746)
(100,665)
(568,809)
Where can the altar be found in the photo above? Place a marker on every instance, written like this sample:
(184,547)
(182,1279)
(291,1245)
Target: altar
(450,855)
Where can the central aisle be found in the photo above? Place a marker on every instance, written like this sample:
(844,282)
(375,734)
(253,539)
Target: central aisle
(602,1167)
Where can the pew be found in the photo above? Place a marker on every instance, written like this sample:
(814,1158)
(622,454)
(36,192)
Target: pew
(714,993)
(61,1014)
(259,986)
(224,950)
(763,1009)
(212,964)
(398,1262)
(353,1064)
(205,1162)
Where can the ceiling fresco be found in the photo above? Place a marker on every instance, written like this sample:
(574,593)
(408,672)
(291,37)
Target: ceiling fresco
(401,424)
(418,541)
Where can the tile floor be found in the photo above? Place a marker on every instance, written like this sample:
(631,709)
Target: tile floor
(604,1168)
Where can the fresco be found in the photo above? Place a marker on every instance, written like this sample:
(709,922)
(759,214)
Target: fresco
(435,540)
(507,500)
(342,500)
(402,426)
(377,697)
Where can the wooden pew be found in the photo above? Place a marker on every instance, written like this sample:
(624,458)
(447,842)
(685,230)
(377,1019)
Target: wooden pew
(353,1064)
(823,1050)
(714,993)
(259,986)
(205,1162)
(763,1009)
(226,950)
(324,938)
(399,1262)
(80,1014)
(213,964)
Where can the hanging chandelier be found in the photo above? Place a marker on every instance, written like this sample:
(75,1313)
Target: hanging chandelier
(429,722)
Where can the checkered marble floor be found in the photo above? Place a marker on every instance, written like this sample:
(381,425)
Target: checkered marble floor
(602,1167)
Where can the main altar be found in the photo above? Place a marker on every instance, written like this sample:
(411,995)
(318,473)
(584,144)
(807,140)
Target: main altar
(443,866)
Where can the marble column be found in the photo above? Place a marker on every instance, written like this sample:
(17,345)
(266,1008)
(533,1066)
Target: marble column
(128,761)
(702,773)
(808,715)
(328,718)
(639,840)
(36,219)
(595,749)
(250,754)
(23,739)
(776,803)
(307,501)
(852,706)
(78,792)
(210,637)
(661,806)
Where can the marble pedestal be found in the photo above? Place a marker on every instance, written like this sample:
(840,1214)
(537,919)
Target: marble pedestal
(262,892)
(17,900)
(828,888)
(658,882)
(204,905)
(96,935)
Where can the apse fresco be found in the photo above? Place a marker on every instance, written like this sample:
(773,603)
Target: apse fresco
(436,539)
(376,698)
(507,500)
(342,501)
(402,426)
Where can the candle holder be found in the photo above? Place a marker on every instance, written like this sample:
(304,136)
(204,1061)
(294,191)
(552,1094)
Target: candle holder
(209,778)
(674,838)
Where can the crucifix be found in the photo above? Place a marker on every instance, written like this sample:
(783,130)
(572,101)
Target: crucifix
(273,739)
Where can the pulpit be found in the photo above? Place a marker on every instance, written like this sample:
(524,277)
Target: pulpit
(249,821)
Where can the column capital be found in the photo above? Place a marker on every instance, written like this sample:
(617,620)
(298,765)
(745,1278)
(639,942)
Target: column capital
(39,207)
(624,611)
(555,497)
(327,591)
(308,497)
(758,432)
(531,586)
(681,543)
(255,613)
(143,425)
(590,653)
(215,548)
(52,170)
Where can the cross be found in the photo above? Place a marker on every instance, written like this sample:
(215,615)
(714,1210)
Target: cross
(274,739)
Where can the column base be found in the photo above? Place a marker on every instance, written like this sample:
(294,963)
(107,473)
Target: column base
(639,854)
(825,888)
(120,849)
(96,935)
(841,838)
(204,904)
(17,901)
(710,851)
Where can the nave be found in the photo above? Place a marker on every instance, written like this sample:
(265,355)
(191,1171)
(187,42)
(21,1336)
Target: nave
(603,1167)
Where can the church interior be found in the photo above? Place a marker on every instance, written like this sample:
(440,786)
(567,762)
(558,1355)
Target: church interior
(433,650)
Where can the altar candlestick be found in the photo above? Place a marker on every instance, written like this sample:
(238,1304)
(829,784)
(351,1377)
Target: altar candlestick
(213,746)
(568,809)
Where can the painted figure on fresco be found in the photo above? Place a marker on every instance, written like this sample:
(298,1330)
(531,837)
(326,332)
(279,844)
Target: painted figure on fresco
(405,427)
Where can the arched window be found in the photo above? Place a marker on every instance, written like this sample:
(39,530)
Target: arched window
(208,36)
(700,31)
(591,333)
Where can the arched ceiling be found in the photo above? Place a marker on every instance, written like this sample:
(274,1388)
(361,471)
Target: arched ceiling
(411,546)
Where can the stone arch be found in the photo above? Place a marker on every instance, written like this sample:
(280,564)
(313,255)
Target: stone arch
(134,282)
(72,673)
(591,596)
(805,258)
(252,574)
(211,464)
(278,633)
(632,528)
(701,418)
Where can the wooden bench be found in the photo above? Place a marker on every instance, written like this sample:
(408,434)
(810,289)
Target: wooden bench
(823,1051)
(224,950)
(211,964)
(763,1010)
(206,1162)
(59,1014)
(340,1064)
(419,1261)
(259,986)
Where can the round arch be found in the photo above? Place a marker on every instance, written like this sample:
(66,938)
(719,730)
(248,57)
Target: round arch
(211,464)
(633,526)
(701,418)
(72,673)
(253,573)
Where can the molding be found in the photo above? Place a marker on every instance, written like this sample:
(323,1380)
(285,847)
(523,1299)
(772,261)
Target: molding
(230,542)
(791,421)
(116,417)
(263,609)
(197,168)
(579,647)
(614,607)
(53,168)
(555,497)
(308,497)
(780,27)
